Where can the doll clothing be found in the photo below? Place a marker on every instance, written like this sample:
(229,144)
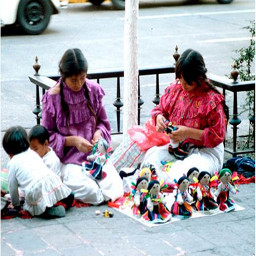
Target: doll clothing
(184,209)
(42,187)
(207,202)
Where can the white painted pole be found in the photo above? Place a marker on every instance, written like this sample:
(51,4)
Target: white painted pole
(130,116)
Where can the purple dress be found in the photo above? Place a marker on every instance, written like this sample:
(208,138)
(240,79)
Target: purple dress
(81,121)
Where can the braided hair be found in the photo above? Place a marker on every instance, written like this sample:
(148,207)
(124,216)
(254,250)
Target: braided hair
(191,67)
(72,63)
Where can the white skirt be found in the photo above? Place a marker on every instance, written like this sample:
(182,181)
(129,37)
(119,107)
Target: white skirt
(89,190)
(44,193)
(205,159)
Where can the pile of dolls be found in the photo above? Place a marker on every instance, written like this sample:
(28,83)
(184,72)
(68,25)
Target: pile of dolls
(149,201)
(192,192)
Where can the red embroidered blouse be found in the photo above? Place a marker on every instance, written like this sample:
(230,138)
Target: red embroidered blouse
(201,108)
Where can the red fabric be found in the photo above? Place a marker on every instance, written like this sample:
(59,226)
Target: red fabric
(201,109)
(26,215)
(243,180)
(146,136)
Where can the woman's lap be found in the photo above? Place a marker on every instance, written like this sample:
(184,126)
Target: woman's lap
(89,190)
(85,189)
(205,159)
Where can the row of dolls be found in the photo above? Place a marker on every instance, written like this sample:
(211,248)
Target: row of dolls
(194,192)
(201,192)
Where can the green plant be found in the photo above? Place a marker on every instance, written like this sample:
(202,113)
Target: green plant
(245,62)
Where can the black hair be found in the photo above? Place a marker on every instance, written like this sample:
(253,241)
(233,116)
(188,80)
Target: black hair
(181,179)
(201,175)
(72,63)
(15,140)
(191,67)
(192,170)
(40,133)
(139,180)
(152,183)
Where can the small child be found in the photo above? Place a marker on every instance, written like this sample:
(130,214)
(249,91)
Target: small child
(42,187)
(39,142)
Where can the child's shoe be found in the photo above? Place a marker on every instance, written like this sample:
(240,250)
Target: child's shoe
(56,211)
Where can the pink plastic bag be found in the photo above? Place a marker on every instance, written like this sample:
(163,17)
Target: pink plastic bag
(146,136)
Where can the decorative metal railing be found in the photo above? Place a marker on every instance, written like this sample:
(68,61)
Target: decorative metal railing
(43,83)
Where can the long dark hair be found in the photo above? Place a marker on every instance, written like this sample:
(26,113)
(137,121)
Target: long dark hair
(191,67)
(15,140)
(72,63)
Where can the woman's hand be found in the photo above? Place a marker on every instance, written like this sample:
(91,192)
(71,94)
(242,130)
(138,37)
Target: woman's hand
(96,136)
(160,123)
(179,135)
(184,132)
(82,144)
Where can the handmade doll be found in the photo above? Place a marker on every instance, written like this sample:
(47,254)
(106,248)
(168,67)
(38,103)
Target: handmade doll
(192,175)
(156,208)
(181,205)
(179,150)
(138,193)
(222,193)
(95,162)
(145,172)
(205,198)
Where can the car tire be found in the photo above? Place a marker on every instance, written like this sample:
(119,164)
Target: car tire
(96,2)
(119,4)
(34,15)
(224,1)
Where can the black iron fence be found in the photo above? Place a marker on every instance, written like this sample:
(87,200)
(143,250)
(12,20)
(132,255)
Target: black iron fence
(43,83)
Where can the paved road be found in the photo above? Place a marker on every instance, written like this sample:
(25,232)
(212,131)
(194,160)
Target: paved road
(82,233)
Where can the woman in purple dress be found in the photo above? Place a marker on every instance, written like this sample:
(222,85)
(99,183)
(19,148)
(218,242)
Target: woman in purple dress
(74,115)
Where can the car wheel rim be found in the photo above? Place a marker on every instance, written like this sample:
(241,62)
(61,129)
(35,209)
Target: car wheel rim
(35,13)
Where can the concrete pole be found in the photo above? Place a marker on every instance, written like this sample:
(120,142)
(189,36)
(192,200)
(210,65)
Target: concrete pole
(130,116)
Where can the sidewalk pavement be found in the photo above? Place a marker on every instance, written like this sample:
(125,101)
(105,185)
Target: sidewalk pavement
(82,233)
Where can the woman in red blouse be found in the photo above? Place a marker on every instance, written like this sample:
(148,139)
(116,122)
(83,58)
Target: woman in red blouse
(197,110)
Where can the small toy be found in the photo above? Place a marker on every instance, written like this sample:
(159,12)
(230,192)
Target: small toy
(168,130)
(182,206)
(192,176)
(156,208)
(180,149)
(93,167)
(222,193)
(139,200)
(205,198)
(108,214)
(97,212)
(145,172)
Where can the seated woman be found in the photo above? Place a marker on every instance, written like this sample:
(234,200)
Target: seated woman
(74,115)
(197,111)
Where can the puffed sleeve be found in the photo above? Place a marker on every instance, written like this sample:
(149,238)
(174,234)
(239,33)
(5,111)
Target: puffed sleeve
(163,106)
(214,134)
(49,121)
(102,119)
(13,185)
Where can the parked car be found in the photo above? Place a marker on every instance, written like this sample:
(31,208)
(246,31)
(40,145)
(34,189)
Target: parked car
(33,16)
(120,4)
